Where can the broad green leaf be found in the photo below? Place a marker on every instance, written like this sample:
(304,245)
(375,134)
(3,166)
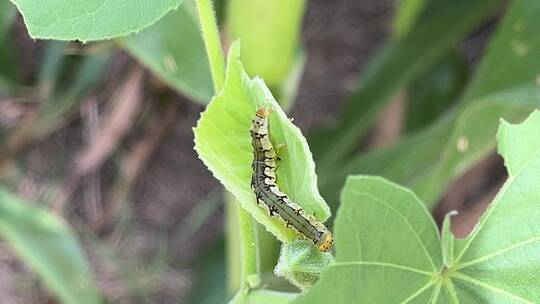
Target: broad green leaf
(504,86)
(223,142)
(387,247)
(389,250)
(263,296)
(439,28)
(90,19)
(499,253)
(269,44)
(500,257)
(48,245)
(173,50)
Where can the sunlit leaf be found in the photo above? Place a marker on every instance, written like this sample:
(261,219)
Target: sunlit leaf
(223,142)
(90,19)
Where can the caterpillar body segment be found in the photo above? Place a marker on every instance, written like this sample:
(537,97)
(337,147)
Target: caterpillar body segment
(268,194)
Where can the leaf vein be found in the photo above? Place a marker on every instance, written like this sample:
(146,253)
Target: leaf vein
(382,264)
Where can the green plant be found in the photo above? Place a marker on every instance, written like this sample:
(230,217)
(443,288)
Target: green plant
(388,235)
(402,258)
(388,247)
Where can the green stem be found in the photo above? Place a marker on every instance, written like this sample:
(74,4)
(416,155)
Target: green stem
(243,251)
(210,34)
(248,247)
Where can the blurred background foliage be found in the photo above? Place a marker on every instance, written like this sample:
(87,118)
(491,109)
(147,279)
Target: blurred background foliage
(99,180)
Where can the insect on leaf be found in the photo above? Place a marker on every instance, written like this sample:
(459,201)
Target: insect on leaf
(223,142)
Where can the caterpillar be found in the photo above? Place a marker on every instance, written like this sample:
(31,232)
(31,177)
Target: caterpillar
(276,203)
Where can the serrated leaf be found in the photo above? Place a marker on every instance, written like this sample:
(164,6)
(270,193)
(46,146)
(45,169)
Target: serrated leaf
(389,251)
(90,19)
(173,50)
(47,244)
(223,142)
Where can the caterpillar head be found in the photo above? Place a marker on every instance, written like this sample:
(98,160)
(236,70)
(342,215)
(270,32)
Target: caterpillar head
(263,113)
(326,242)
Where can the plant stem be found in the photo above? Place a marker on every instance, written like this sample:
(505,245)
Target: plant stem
(210,34)
(248,248)
(249,256)
(243,250)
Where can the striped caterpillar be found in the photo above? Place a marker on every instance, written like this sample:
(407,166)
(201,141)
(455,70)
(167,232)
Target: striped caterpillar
(278,204)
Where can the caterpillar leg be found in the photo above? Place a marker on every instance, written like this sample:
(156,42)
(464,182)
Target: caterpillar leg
(278,148)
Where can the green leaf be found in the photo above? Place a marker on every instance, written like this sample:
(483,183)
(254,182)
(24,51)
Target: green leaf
(406,15)
(173,50)
(262,296)
(53,61)
(510,71)
(386,240)
(518,144)
(8,67)
(223,142)
(434,92)
(415,159)
(269,44)
(504,86)
(91,19)
(387,245)
(48,245)
(439,28)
